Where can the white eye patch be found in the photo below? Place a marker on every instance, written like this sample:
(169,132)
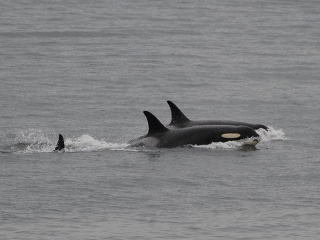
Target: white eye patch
(230,135)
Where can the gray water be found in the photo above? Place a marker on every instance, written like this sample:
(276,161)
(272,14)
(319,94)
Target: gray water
(87,70)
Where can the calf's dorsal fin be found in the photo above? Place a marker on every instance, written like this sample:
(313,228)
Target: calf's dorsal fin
(177,117)
(60,144)
(155,126)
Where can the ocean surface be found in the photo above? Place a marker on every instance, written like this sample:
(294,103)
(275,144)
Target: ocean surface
(88,69)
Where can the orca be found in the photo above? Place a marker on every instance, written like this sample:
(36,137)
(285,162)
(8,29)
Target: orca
(60,144)
(162,137)
(179,120)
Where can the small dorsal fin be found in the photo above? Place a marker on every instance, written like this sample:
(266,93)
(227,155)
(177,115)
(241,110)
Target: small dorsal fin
(177,117)
(60,144)
(155,126)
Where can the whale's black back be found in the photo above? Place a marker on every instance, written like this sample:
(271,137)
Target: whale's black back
(179,120)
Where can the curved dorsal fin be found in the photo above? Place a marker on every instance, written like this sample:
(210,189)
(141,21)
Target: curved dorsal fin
(177,117)
(155,126)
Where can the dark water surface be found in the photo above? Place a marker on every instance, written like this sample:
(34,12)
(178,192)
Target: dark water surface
(87,69)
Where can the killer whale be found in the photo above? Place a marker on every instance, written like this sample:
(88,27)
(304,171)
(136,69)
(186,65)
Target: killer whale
(60,144)
(179,120)
(162,137)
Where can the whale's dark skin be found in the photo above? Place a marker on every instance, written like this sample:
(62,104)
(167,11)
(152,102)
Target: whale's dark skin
(179,120)
(162,137)
(60,144)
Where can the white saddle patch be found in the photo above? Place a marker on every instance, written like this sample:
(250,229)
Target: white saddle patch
(150,141)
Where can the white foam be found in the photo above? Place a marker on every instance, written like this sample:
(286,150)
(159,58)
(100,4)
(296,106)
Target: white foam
(271,134)
(87,143)
(34,140)
(220,145)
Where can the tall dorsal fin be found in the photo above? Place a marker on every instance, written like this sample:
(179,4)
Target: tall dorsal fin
(155,126)
(177,117)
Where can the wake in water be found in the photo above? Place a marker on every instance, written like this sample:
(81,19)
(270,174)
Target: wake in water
(31,140)
(34,140)
(271,135)
(87,143)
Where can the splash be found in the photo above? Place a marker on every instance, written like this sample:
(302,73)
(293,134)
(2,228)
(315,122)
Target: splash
(220,145)
(271,134)
(30,140)
(35,140)
(86,143)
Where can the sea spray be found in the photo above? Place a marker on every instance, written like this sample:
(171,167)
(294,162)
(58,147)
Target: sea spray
(271,135)
(36,140)
(88,143)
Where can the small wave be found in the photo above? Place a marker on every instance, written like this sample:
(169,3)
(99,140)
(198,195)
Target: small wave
(31,140)
(35,140)
(86,143)
(221,145)
(271,134)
